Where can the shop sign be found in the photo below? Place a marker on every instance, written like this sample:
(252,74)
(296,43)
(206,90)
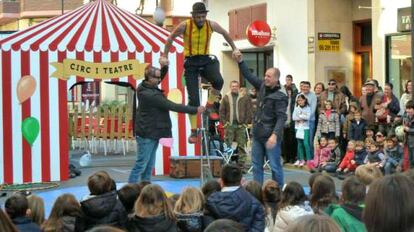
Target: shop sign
(329,42)
(259,33)
(404,19)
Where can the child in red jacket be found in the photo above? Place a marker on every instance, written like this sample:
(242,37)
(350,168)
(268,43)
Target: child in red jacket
(346,165)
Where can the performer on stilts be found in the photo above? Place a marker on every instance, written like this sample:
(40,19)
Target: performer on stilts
(198,61)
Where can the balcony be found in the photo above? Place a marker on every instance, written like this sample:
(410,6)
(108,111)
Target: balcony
(46,8)
(9,11)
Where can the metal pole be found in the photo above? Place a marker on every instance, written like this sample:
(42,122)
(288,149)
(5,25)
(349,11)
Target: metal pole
(412,45)
(62,7)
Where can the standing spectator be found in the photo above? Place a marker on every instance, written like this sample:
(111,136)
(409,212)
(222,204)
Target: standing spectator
(153,121)
(234,202)
(301,116)
(406,96)
(293,205)
(348,215)
(17,207)
(367,103)
(102,206)
(37,209)
(335,96)
(409,130)
(357,127)
(377,87)
(289,143)
(152,212)
(389,108)
(65,211)
(189,211)
(318,89)
(253,99)
(353,107)
(363,91)
(289,83)
(313,102)
(268,123)
(394,156)
(235,115)
(328,123)
(389,205)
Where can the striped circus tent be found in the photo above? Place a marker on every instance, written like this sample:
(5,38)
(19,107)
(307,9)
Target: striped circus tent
(97,32)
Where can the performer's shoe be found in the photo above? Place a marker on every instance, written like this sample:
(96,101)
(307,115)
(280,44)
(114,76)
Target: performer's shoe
(193,136)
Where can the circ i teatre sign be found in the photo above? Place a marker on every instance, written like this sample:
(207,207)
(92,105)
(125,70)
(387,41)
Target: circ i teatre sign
(258,33)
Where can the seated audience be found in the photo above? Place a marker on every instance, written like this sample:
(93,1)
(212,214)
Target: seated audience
(128,194)
(323,193)
(234,202)
(367,174)
(225,225)
(293,204)
(105,229)
(334,158)
(6,224)
(389,205)
(152,212)
(271,198)
(394,154)
(210,187)
(348,215)
(17,207)
(102,206)
(189,211)
(346,165)
(37,209)
(321,155)
(375,155)
(313,223)
(254,188)
(65,211)
(360,153)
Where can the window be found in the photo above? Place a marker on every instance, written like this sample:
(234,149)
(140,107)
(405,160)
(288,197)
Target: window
(239,19)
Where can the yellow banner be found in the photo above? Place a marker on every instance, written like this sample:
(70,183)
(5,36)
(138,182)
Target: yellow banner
(329,45)
(106,70)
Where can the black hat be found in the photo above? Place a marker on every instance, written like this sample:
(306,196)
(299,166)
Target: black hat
(199,7)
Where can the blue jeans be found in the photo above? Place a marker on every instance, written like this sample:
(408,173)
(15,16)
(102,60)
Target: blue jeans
(145,160)
(390,165)
(259,152)
(311,136)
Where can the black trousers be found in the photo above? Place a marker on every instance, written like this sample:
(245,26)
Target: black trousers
(208,67)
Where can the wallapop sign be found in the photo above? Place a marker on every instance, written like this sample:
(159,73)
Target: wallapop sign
(259,33)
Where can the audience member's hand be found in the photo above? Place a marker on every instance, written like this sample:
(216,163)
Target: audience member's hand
(201,109)
(164,61)
(352,161)
(398,169)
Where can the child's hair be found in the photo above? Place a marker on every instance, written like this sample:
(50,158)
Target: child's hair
(313,223)
(271,191)
(302,96)
(100,183)
(369,141)
(409,104)
(255,189)
(190,201)
(225,225)
(323,137)
(359,143)
(353,191)
(357,112)
(352,141)
(311,180)
(173,200)
(105,228)
(292,194)
(37,209)
(65,205)
(391,138)
(152,202)
(323,192)
(5,223)
(210,187)
(368,173)
(128,194)
(231,175)
(329,102)
(376,144)
(16,205)
(333,139)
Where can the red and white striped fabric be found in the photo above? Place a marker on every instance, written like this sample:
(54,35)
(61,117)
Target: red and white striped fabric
(96,32)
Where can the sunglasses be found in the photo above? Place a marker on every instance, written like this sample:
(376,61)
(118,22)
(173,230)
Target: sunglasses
(332,83)
(379,135)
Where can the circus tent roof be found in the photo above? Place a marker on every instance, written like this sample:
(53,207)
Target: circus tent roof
(96,26)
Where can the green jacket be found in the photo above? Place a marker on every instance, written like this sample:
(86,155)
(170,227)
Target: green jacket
(347,217)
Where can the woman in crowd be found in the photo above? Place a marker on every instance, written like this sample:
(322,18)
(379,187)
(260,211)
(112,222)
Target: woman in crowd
(63,216)
(406,96)
(389,108)
(37,209)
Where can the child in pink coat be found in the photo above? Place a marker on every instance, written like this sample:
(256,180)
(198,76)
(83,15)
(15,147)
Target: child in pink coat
(322,154)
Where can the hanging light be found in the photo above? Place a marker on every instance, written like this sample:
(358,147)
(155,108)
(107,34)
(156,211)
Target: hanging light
(159,16)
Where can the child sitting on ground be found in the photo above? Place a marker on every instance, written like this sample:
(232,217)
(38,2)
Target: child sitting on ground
(335,157)
(346,165)
(321,155)
(409,130)
(375,156)
(394,156)
(360,153)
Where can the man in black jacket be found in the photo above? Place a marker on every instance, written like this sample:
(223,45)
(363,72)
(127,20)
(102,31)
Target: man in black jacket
(153,121)
(268,121)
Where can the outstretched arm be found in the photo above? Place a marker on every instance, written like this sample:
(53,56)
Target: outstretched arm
(179,30)
(244,69)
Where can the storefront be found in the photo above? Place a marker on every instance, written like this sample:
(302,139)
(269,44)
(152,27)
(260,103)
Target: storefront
(398,52)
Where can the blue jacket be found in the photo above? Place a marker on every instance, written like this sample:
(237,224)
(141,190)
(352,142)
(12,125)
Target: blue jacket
(239,206)
(359,156)
(24,224)
(357,131)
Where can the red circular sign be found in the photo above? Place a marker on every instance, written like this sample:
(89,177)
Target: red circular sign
(259,33)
